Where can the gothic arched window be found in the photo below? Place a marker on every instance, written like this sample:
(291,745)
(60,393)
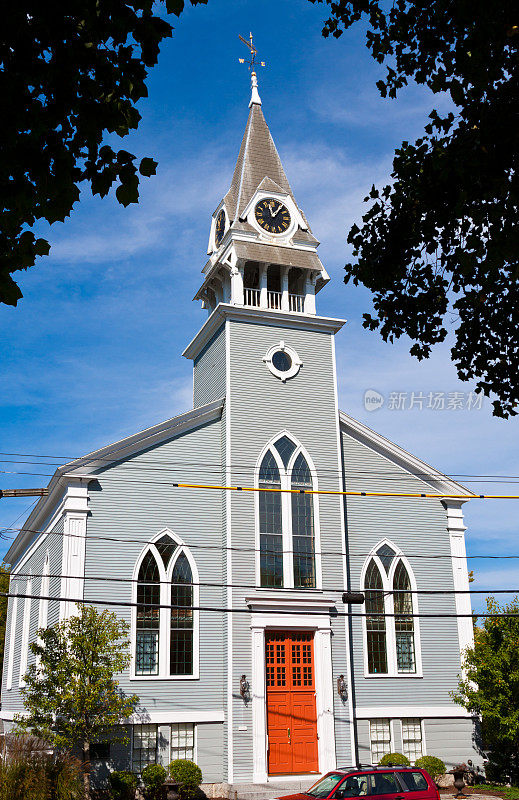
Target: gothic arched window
(404,621)
(181,644)
(270,523)
(303,526)
(148,617)
(287,521)
(390,635)
(165,637)
(375,621)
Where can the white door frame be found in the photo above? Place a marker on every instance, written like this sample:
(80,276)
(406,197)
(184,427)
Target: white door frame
(307,619)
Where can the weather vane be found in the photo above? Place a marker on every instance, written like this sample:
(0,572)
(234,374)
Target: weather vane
(253,54)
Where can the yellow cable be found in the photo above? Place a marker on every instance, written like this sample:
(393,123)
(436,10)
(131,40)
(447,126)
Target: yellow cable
(351,494)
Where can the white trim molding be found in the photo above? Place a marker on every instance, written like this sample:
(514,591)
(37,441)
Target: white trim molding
(165,600)
(456,530)
(269,618)
(75,513)
(26,623)
(285,475)
(389,606)
(400,711)
(164,717)
(12,636)
(295,364)
(286,319)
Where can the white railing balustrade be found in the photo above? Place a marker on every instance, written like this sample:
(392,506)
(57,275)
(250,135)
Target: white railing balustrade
(252,297)
(274,300)
(296,302)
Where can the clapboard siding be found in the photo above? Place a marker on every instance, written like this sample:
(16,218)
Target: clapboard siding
(449,739)
(452,740)
(210,751)
(53,543)
(419,528)
(132,502)
(261,407)
(209,371)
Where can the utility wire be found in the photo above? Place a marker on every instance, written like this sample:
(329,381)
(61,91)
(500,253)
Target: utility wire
(234,548)
(155,464)
(332,492)
(332,613)
(17,575)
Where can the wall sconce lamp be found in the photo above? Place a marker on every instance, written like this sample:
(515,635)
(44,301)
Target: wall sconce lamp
(342,689)
(244,688)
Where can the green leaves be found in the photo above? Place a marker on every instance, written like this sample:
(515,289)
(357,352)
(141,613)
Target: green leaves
(68,81)
(73,696)
(445,236)
(490,684)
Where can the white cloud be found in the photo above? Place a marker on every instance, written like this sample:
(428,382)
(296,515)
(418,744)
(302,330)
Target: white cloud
(360,104)
(101,231)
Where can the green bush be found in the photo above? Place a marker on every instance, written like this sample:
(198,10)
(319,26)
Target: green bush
(123,784)
(434,766)
(153,777)
(28,770)
(188,776)
(394,760)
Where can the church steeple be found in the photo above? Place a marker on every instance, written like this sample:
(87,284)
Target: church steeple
(261,250)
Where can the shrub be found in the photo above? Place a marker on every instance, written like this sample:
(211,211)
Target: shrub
(188,776)
(123,784)
(153,777)
(394,760)
(29,770)
(434,766)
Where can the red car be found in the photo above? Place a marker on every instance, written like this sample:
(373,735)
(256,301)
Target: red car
(384,783)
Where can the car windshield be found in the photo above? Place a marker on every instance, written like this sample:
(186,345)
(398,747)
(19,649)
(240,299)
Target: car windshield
(323,787)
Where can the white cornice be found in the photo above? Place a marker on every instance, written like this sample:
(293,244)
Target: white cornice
(422,712)
(293,601)
(285,319)
(431,476)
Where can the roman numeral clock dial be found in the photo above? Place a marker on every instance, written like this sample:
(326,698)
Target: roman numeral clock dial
(272,215)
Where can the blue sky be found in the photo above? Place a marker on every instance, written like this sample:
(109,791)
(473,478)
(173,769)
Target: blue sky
(92,353)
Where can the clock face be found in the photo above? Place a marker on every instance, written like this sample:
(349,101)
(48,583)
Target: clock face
(219,229)
(272,215)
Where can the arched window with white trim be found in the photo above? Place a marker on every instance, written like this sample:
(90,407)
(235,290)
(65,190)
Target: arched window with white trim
(181,644)
(375,620)
(303,525)
(166,624)
(287,520)
(391,636)
(148,617)
(404,621)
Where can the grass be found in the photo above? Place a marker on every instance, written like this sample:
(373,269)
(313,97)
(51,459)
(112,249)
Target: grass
(508,792)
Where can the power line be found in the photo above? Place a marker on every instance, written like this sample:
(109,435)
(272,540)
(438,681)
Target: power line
(214,585)
(234,548)
(248,610)
(403,474)
(331,492)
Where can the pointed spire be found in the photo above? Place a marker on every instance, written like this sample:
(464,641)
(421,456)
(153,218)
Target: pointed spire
(255,98)
(257,159)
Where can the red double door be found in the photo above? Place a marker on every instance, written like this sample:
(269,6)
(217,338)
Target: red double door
(291,712)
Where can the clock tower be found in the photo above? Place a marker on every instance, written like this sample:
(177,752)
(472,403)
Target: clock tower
(266,351)
(262,253)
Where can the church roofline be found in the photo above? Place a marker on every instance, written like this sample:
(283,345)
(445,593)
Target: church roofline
(436,479)
(83,468)
(287,319)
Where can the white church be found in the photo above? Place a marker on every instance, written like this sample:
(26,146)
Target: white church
(259,671)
